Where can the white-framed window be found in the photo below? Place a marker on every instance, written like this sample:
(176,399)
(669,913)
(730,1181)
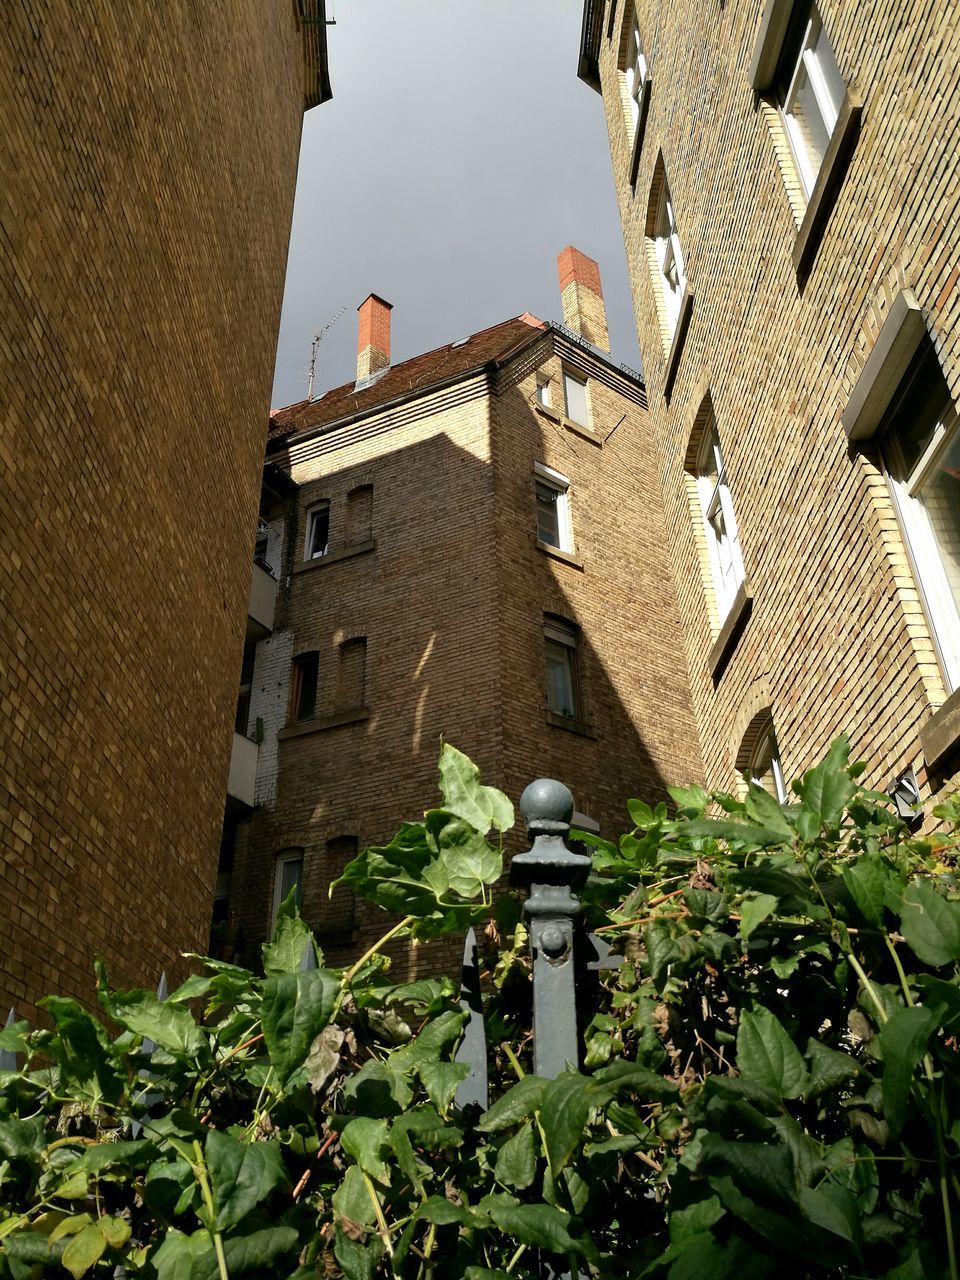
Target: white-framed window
(720,525)
(669,255)
(764,766)
(288,875)
(318,532)
(562,668)
(554,525)
(920,444)
(543,390)
(575,398)
(635,72)
(809,92)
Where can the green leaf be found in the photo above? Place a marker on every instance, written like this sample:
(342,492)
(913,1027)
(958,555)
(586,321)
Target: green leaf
(930,923)
(753,837)
(517,1159)
(766,1054)
(376,1090)
(79,1046)
(20,1138)
(171,1026)
(169,1187)
(296,1007)
(944,997)
(563,1117)
(243,1175)
(482,807)
(83,1251)
(70,1226)
(364,1139)
(518,1103)
(695,1219)
(179,1254)
(536,1224)
(866,882)
(357,1261)
(116,1231)
(485,1273)
(754,909)
(767,812)
(291,937)
(828,1068)
(827,787)
(903,1040)
(833,1209)
(351,1203)
(260,1252)
(441,1081)
(690,801)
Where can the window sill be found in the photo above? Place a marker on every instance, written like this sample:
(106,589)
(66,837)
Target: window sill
(829,181)
(579,727)
(565,557)
(561,421)
(305,727)
(644,105)
(730,633)
(676,346)
(343,553)
(940,735)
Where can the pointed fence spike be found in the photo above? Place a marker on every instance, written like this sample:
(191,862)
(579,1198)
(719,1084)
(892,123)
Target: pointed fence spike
(309,959)
(162,991)
(473,1046)
(8,1059)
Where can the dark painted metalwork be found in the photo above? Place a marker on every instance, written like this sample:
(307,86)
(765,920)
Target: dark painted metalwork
(8,1059)
(473,1047)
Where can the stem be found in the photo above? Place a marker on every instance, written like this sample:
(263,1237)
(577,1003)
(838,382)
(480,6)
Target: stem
(945,1198)
(514,1061)
(383,1229)
(867,985)
(200,1169)
(905,986)
(516,1258)
(355,968)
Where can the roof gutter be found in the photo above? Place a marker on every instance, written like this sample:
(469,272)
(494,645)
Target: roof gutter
(588,68)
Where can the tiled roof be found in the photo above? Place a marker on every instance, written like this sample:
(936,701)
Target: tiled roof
(416,374)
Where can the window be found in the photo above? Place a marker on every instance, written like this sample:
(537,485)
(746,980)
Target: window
(351,674)
(562,668)
(543,390)
(672,276)
(763,765)
(920,444)
(303,694)
(338,910)
(635,74)
(809,91)
(554,527)
(288,875)
(360,514)
(246,687)
(318,532)
(720,526)
(575,398)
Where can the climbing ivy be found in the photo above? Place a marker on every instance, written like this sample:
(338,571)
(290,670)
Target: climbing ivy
(771,1081)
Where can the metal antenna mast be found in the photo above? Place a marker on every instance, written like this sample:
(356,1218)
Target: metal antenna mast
(317,339)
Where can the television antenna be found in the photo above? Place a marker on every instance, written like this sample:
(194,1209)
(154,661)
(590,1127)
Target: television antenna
(317,339)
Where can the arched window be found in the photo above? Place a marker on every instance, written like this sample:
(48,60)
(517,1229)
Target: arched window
(759,756)
(713,506)
(352,674)
(338,910)
(287,876)
(359,515)
(667,263)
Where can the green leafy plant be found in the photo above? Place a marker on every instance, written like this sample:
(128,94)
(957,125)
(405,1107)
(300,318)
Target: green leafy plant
(770,1082)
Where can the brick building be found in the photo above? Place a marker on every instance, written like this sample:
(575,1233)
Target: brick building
(149,163)
(788,187)
(469,543)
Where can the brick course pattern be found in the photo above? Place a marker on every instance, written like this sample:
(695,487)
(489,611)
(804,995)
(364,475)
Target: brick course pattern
(838,639)
(450,591)
(149,164)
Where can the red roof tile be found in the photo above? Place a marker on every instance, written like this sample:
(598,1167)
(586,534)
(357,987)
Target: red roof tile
(417,374)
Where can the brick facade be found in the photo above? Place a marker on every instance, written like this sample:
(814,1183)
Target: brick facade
(149,164)
(789,297)
(450,588)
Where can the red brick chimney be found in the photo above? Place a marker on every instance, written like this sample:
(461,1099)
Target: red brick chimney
(373,336)
(582,297)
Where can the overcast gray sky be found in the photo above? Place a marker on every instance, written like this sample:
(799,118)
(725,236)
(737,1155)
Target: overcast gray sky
(459,155)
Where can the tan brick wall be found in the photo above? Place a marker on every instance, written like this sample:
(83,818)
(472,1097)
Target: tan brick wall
(837,640)
(451,600)
(149,162)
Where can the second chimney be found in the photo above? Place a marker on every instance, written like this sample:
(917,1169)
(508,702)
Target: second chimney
(582,297)
(373,337)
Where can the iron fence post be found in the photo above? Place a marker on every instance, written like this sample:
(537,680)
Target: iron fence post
(551,872)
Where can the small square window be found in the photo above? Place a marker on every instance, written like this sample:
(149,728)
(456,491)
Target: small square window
(318,532)
(575,398)
(303,694)
(554,526)
(562,668)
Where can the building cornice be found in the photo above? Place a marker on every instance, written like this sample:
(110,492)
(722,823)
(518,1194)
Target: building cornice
(311,18)
(588,68)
